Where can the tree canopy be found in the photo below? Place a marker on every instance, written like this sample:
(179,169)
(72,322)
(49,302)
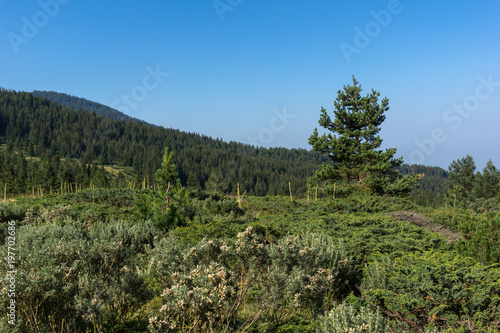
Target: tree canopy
(354,141)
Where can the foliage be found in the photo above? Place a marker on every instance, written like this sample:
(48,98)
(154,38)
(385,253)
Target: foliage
(215,182)
(78,103)
(20,174)
(450,217)
(431,185)
(90,206)
(342,260)
(482,205)
(461,176)
(370,204)
(354,152)
(346,318)
(167,174)
(8,212)
(275,283)
(487,183)
(367,235)
(170,206)
(72,279)
(434,290)
(481,238)
(284,260)
(33,126)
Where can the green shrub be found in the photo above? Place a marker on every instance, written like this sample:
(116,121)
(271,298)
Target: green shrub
(311,254)
(436,290)
(450,217)
(370,204)
(481,239)
(482,205)
(71,278)
(347,318)
(9,212)
(369,234)
(206,286)
(54,215)
(168,209)
(223,207)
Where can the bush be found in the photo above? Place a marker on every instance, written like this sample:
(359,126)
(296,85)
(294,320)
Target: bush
(434,290)
(346,318)
(9,212)
(206,286)
(223,207)
(71,278)
(370,204)
(310,255)
(481,238)
(168,209)
(482,205)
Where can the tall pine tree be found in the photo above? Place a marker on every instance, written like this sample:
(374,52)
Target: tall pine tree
(354,142)
(461,179)
(487,183)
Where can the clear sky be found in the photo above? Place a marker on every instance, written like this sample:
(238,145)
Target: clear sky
(259,71)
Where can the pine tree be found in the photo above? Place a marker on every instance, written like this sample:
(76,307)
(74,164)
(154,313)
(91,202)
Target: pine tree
(353,144)
(167,175)
(193,181)
(215,181)
(461,178)
(170,206)
(487,183)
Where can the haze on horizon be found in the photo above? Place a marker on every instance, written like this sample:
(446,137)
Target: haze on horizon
(259,72)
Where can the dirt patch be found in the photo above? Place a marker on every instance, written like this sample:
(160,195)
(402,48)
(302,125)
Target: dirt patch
(421,220)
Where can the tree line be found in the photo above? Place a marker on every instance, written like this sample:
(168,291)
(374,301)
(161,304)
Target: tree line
(34,126)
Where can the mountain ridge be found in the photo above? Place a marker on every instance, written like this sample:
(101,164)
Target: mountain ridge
(80,103)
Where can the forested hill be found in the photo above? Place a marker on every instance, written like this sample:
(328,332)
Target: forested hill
(78,103)
(35,126)
(434,179)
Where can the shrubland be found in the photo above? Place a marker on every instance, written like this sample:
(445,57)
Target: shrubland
(87,262)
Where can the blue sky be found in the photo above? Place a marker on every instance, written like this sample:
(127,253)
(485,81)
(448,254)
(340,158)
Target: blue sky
(259,71)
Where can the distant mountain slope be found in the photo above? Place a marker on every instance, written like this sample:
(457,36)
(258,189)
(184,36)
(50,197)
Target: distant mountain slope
(34,125)
(79,103)
(434,179)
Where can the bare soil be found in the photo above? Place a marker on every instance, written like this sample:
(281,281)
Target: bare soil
(420,220)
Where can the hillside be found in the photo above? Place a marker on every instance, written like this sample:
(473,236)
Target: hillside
(78,103)
(101,237)
(101,135)
(35,126)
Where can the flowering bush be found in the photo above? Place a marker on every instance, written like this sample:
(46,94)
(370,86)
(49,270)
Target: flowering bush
(347,319)
(219,287)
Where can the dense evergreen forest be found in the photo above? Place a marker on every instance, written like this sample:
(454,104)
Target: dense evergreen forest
(38,128)
(78,103)
(57,144)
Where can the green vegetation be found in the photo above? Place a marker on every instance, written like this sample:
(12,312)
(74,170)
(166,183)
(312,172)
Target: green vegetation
(35,127)
(354,152)
(272,265)
(95,253)
(78,103)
